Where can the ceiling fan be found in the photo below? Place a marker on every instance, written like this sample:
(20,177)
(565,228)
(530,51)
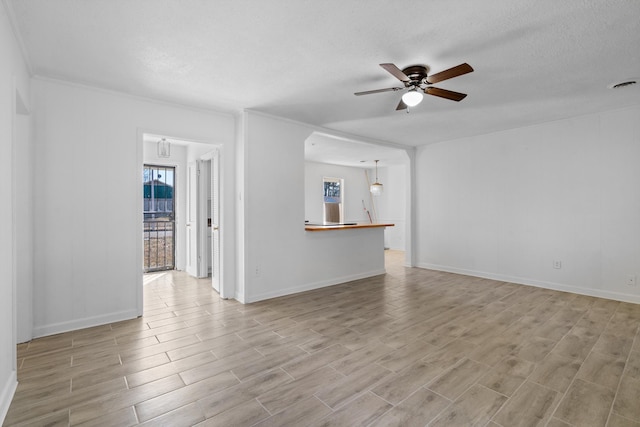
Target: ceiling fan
(417,80)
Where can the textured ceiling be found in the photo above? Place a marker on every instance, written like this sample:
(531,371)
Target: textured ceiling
(323,148)
(534,61)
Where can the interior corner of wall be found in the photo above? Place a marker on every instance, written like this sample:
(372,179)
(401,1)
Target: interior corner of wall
(239,296)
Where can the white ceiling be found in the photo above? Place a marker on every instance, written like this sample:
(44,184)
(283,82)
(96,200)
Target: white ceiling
(534,61)
(323,148)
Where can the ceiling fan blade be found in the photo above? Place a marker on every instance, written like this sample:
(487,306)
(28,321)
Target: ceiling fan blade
(368,92)
(456,71)
(396,72)
(447,94)
(401,105)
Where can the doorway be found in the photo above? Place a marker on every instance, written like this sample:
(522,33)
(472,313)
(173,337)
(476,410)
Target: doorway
(203,218)
(159,226)
(197,183)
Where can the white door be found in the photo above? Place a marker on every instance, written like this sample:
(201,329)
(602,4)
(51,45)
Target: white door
(201,228)
(215,221)
(191,231)
(203,242)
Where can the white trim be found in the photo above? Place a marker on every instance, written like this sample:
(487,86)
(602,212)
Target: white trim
(9,388)
(87,322)
(6,396)
(617,296)
(14,239)
(140,216)
(411,213)
(311,286)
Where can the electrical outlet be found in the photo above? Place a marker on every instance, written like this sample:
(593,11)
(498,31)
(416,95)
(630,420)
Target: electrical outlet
(257,271)
(631,280)
(557,264)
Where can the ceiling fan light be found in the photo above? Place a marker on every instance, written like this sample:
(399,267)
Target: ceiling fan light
(412,98)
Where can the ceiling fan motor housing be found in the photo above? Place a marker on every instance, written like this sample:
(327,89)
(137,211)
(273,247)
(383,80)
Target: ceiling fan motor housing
(417,74)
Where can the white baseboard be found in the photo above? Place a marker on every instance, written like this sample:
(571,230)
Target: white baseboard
(617,296)
(6,395)
(312,286)
(87,322)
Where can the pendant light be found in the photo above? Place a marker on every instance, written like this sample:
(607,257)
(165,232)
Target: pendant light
(164,148)
(376,187)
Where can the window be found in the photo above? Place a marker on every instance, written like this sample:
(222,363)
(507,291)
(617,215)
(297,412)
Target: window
(159,217)
(333,193)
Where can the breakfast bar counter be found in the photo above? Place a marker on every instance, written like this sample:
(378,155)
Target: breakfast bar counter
(320,227)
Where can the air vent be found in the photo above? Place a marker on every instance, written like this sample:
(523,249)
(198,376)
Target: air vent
(622,84)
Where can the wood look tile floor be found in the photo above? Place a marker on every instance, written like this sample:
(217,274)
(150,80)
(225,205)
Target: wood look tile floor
(410,348)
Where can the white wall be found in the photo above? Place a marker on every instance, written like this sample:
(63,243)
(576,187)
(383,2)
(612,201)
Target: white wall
(280,257)
(88,174)
(354,192)
(240,174)
(15,245)
(507,204)
(178,159)
(392,205)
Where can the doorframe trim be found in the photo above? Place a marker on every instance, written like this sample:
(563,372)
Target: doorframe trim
(140,216)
